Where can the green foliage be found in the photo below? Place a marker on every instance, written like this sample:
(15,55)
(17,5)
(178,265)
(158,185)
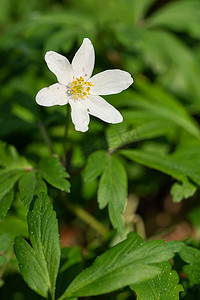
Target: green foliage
(158,43)
(175,165)
(129,262)
(54,173)
(13,167)
(164,286)
(194,217)
(112,190)
(5,243)
(16,168)
(39,263)
(192,257)
(182,191)
(29,185)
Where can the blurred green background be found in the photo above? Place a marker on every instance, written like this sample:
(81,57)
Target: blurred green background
(156,41)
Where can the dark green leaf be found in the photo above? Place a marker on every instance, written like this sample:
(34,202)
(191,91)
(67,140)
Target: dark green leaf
(194,217)
(10,159)
(149,130)
(7,195)
(54,173)
(168,164)
(192,257)
(112,191)
(30,184)
(39,263)
(95,165)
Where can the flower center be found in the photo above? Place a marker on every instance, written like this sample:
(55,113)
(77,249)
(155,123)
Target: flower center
(80,88)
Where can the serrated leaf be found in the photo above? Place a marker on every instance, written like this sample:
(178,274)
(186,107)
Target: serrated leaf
(129,262)
(30,184)
(13,167)
(192,257)
(112,191)
(95,165)
(182,191)
(39,263)
(163,287)
(54,173)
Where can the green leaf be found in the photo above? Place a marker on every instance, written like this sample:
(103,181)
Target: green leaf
(149,130)
(179,16)
(129,262)
(178,168)
(2,260)
(192,257)
(54,173)
(30,184)
(95,165)
(162,104)
(7,194)
(140,8)
(39,263)
(164,286)
(70,266)
(158,104)
(112,191)
(13,167)
(5,242)
(194,217)
(182,191)
(10,159)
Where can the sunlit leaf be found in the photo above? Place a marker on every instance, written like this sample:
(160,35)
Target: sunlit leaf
(127,263)
(39,261)
(164,286)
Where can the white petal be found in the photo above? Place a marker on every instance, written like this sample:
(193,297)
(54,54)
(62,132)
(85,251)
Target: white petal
(110,82)
(52,95)
(101,109)
(79,114)
(83,61)
(60,66)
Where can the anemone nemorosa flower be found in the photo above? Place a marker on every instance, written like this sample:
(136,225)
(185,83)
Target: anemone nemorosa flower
(76,87)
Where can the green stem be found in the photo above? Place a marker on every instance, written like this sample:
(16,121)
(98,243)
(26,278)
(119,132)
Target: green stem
(46,138)
(65,135)
(87,218)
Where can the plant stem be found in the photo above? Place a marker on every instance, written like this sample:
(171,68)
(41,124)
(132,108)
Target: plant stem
(65,135)
(45,136)
(87,218)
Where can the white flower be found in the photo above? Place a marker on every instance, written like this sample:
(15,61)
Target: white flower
(76,87)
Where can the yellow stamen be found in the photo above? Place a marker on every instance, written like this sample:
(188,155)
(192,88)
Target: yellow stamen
(80,88)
